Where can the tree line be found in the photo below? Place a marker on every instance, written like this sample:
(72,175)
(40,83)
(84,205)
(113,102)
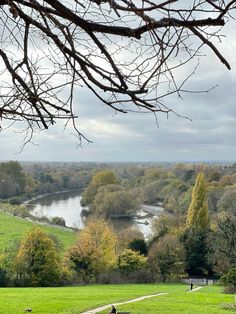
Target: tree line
(21,181)
(195,235)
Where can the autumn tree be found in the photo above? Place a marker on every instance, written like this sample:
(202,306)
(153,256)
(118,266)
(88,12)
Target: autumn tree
(197,215)
(194,237)
(215,193)
(126,53)
(115,204)
(94,251)
(227,202)
(174,192)
(37,262)
(100,179)
(222,243)
(166,258)
(166,224)
(127,235)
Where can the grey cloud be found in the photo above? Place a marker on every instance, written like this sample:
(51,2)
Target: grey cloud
(126,137)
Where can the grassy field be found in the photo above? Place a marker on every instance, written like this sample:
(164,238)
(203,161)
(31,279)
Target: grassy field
(13,228)
(181,301)
(75,300)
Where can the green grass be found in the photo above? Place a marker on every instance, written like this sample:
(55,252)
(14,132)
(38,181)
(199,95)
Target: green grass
(13,228)
(181,301)
(75,300)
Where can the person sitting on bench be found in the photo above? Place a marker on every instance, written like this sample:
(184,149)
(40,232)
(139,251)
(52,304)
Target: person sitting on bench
(113,310)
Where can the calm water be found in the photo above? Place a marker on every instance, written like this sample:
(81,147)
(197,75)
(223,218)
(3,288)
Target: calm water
(67,205)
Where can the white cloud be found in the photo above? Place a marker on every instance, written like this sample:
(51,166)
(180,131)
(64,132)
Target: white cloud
(107,129)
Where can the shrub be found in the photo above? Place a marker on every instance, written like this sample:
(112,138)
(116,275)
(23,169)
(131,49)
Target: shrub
(229,280)
(229,306)
(58,221)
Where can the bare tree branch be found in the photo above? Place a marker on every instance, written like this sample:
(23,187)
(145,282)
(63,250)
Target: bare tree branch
(126,53)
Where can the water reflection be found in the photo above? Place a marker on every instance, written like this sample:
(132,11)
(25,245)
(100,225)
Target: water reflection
(50,199)
(67,205)
(64,204)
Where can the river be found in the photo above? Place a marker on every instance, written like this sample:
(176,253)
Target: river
(67,205)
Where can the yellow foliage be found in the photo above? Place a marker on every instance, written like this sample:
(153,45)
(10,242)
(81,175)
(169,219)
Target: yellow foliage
(98,242)
(198,210)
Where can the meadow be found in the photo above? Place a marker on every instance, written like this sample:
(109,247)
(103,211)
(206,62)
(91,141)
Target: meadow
(75,300)
(13,229)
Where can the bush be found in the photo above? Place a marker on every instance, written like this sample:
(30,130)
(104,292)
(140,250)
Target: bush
(14,201)
(20,211)
(59,221)
(229,307)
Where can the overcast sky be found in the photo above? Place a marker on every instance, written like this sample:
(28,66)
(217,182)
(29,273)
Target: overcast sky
(136,137)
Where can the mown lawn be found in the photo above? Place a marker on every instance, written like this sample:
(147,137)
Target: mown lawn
(75,300)
(13,228)
(180,300)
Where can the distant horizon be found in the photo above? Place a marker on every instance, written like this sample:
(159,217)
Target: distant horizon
(122,161)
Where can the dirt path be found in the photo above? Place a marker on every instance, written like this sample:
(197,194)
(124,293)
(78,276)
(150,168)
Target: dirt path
(104,307)
(195,289)
(99,309)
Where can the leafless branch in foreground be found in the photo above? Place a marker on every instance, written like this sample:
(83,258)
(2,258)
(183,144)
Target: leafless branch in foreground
(127,53)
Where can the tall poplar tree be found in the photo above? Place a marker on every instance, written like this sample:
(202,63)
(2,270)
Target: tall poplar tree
(197,215)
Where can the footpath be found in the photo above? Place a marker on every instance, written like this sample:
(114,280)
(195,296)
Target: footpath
(107,306)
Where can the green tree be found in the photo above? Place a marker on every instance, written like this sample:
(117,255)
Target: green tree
(138,245)
(129,261)
(197,215)
(4,280)
(196,250)
(7,263)
(37,261)
(12,179)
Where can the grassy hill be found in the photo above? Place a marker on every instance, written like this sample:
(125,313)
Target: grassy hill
(74,300)
(13,228)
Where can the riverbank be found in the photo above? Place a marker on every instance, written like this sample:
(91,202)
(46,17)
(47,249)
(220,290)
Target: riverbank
(66,204)
(38,222)
(22,212)
(37,197)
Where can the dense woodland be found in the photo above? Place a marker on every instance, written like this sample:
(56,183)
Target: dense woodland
(195,235)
